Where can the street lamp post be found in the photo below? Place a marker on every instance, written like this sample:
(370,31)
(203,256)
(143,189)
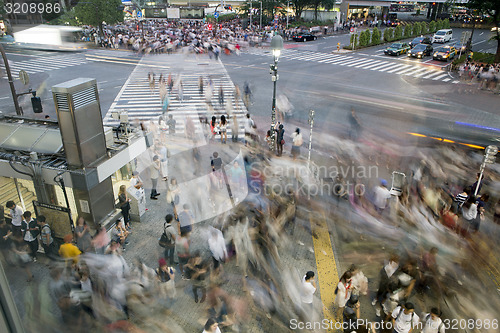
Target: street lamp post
(19,110)
(276,47)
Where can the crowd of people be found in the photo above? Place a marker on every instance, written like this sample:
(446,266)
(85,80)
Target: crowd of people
(486,75)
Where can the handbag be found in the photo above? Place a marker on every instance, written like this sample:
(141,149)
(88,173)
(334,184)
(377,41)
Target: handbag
(282,141)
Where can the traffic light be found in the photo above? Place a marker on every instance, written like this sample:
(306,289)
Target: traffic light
(136,27)
(209,27)
(36,102)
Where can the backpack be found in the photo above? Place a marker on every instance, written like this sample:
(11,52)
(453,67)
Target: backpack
(165,240)
(52,233)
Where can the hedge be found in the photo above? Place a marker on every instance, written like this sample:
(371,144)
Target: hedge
(364,39)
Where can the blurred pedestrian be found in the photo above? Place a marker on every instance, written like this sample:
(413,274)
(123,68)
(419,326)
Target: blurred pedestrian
(307,295)
(170,235)
(432,322)
(296,143)
(182,249)
(211,326)
(155,172)
(166,278)
(82,233)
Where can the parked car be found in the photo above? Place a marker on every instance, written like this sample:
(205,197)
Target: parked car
(420,51)
(420,40)
(303,36)
(445,53)
(397,49)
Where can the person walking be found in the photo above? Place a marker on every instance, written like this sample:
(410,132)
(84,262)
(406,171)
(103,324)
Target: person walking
(124,204)
(221,97)
(307,294)
(46,237)
(355,125)
(166,278)
(197,270)
(30,231)
(296,143)
(223,129)
(200,86)
(16,215)
(170,235)
(155,171)
(343,292)
(404,318)
(280,139)
(182,249)
(234,129)
(433,323)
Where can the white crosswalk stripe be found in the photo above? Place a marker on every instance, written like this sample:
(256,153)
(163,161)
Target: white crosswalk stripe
(414,70)
(145,105)
(44,64)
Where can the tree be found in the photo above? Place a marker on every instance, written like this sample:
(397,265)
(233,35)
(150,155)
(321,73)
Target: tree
(439,24)
(375,36)
(398,32)
(388,34)
(95,12)
(364,38)
(327,4)
(492,8)
(299,6)
(408,30)
(432,26)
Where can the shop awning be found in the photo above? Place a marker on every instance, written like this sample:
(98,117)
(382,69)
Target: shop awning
(30,138)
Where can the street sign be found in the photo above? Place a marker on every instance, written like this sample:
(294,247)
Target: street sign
(216,15)
(352,30)
(24,77)
(139,14)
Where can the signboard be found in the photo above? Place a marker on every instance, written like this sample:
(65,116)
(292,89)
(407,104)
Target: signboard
(352,30)
(58,218)
(139,14)
(216,15)
(173,13)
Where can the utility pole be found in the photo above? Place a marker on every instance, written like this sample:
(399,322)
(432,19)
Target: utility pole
(19,110)
(489,158)
(260,26)
(311,122)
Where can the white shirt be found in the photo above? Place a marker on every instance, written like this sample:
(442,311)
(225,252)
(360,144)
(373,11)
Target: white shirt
(432,326)
(404,322)
(216,331)
(382,194)
(308,291)
(217,246)
(17,216)
(27,235)
(471,213)
(134,181)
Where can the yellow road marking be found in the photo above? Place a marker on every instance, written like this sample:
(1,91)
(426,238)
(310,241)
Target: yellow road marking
(328,275)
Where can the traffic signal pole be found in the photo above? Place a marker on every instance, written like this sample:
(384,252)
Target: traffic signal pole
(19,110)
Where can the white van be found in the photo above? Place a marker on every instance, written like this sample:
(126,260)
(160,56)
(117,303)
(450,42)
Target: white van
(442,36)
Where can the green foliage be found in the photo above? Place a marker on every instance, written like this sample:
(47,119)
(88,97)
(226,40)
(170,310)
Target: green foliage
(375,36)
(364,38)
(389,34)
(398,32)
(94,12)
(432,26)
(446,24)
(417,28)
(439,24)
(68,18)
(408,30)
(425,28)
(484,58)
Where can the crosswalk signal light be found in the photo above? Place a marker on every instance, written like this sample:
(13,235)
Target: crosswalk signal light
(36,102)
(209,27)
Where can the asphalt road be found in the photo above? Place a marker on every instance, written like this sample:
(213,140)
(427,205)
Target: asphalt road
(386,102)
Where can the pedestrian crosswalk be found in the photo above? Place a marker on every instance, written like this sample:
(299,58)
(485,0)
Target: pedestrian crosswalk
(43,63)
(142,102)
(352,60)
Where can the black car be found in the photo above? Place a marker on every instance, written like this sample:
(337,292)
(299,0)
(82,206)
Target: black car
(303,36)
(420,40)
(420,51)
